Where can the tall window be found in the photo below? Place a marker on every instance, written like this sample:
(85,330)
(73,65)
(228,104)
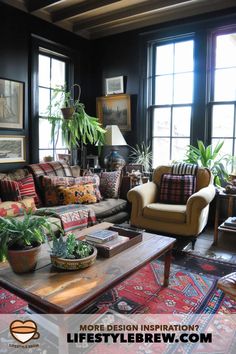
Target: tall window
(51,74)
(171,109)
(223,91)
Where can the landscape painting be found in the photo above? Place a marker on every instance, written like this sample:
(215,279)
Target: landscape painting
(11,104)
(115,110)
(12,148)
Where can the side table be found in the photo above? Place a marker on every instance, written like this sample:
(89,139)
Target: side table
(230,200)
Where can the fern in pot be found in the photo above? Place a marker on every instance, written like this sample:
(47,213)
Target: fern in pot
(21,239)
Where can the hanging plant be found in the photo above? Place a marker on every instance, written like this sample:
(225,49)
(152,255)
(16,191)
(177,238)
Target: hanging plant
(78,128)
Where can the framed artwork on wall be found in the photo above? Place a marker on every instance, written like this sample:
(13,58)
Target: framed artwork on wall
(114,85)
(11,104)
(115,110)
(12,148)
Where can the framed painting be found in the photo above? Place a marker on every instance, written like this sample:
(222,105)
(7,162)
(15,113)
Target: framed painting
(12,148)
(114,85)
(11,104)
(115,110)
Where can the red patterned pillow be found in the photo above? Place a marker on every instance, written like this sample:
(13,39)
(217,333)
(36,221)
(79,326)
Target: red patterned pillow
(110,184)
(176,189)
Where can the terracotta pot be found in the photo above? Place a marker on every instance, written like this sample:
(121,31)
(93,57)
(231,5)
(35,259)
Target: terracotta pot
(74,264)
(23,261)
(67,112)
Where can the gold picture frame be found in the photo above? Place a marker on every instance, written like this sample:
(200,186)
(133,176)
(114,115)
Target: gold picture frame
(115,110)
(11,104)
(12,148)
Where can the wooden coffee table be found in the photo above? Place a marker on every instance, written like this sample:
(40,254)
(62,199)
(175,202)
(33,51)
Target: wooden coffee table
(48,290)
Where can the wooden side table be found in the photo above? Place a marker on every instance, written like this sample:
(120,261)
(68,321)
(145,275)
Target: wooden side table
(230,199)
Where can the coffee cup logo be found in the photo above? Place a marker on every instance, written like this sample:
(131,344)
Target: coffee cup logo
(24,331)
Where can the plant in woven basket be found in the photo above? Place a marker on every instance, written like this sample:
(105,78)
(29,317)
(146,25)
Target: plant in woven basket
(207,156)
(70,248)
(77,129)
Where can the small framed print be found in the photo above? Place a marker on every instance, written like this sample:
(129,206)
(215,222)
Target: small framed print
(114,85)
(12,148)
(11,104)
(115,110)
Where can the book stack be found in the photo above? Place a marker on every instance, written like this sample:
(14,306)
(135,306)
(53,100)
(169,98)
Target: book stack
(106,239)
(230,222)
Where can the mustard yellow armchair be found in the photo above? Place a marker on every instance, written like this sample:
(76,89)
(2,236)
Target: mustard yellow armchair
(174,219)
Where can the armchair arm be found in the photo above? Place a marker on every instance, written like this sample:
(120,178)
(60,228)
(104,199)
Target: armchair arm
(141,196)
(199,201)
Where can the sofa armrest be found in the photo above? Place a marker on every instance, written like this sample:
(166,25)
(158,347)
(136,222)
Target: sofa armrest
(141,196)
(200,200)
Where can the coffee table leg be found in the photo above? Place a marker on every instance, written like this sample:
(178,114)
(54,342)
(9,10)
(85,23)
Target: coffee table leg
(167,267)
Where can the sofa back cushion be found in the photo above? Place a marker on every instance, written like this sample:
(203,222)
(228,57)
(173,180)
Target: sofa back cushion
(176,189)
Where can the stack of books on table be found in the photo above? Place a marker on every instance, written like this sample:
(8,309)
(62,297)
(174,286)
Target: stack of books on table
(230,223)
(106,239)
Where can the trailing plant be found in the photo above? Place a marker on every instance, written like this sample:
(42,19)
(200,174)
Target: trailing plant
(70,248)
(142,155)
(81,128)
(207,156)
(22,234)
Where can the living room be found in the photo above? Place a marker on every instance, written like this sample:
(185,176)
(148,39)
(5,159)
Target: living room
(195,101)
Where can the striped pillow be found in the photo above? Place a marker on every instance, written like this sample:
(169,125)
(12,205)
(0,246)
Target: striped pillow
(27,188)
(176,189)
(9,190)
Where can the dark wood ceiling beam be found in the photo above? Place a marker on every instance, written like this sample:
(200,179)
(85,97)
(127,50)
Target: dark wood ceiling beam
(132,10)
(34,5)
(79,9)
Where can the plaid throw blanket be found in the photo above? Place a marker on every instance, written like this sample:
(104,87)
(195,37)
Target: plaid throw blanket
(183,168)
(75,216)
(54,168)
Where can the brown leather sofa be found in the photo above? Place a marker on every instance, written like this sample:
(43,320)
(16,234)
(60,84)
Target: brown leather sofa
(183,220)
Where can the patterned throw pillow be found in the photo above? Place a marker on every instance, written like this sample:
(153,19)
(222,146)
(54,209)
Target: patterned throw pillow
(18,189)
(17,208)
(79,194)
(50,183)
(176,189)
(110,184)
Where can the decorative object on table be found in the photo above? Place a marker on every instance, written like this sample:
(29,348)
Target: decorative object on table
(114,85)
(115,110)
(20,241)
(11,104)
(101,236)
(12,148)
(114,138)
(81,128)
(71,254)
(142,155)
(136,177)
(207,156)
(230,222)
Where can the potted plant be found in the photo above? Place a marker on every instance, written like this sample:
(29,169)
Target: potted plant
(80,128)
(20,241)
(71,254)
(142,155)
(207,156)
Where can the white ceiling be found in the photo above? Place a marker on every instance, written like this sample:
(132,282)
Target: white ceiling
(94,19)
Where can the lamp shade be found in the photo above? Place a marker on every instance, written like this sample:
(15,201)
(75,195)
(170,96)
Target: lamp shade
(114,136)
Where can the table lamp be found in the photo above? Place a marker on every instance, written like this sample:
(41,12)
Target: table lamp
(114,138)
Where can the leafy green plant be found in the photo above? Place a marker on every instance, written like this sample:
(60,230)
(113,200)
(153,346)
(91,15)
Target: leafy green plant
(207,156)
(81,128)
(142,155)
(70,248)
(22,234)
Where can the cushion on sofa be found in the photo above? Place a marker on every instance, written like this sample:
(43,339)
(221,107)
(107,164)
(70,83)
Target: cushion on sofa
(176,189)
(18,189)
(78,194)
(108,207)
(54,168)
(110,184)
(12,208)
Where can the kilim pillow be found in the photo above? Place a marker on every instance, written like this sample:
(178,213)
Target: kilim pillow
(9,190)
(110,184)
(17,208)
(78,194)
(176,189)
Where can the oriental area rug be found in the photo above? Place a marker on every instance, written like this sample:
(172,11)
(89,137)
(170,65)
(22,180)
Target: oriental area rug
(192,289)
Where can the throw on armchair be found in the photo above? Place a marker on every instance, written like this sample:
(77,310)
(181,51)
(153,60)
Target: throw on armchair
(154,208)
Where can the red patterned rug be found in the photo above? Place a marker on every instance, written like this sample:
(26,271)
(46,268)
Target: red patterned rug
(192,289)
